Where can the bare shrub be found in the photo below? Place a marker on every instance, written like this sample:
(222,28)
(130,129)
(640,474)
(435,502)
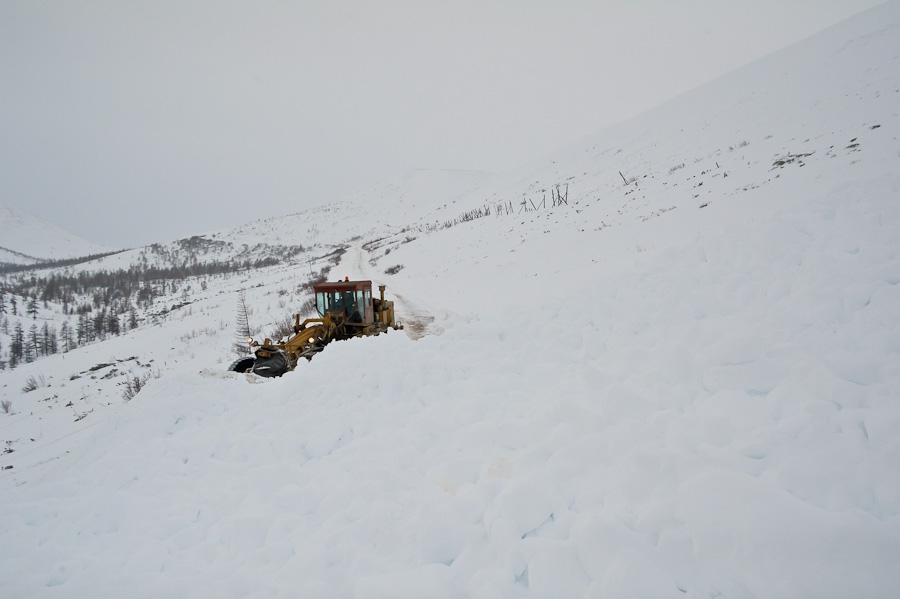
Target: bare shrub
(32,383)
(628,180)
(283,328)
(393,269)
(314,279)
(194,333)
(134,383)
(308,306)
(133,386)
(6,404)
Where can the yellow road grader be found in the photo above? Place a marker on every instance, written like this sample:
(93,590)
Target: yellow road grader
(346,309)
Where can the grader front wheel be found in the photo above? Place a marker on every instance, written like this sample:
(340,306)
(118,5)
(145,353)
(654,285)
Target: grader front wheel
(242,365)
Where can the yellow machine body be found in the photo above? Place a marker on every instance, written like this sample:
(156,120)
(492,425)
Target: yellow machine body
(345,309)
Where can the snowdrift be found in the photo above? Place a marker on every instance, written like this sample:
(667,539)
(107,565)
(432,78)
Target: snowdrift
(682,382)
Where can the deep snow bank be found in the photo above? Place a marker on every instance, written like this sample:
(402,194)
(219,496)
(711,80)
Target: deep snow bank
(629,399)
(721,419)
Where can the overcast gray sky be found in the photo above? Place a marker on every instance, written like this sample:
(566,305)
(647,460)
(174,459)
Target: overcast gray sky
(131,122)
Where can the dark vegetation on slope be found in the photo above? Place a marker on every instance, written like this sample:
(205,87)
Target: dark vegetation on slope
(109,302)
(10,268)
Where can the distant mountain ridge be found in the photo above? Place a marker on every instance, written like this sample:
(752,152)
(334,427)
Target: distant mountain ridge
(27,239)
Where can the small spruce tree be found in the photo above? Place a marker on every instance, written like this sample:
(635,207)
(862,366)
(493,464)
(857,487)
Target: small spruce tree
(242,326)
(32,308)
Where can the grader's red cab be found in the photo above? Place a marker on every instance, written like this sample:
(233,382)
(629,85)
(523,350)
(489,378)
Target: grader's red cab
(345,309)
(352,301)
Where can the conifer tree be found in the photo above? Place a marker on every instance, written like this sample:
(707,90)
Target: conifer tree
(49,341)
(31,344)
(17,348)
(100,324)
(112,324)
(65,336)
(242,326)
(84,332)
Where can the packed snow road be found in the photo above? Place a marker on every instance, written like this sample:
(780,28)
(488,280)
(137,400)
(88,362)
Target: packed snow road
(417,322)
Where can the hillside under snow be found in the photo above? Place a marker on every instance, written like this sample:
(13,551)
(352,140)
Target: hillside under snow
(665,362)
(26,239)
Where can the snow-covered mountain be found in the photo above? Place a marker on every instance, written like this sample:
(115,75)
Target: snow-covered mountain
(663,362)
(26,239)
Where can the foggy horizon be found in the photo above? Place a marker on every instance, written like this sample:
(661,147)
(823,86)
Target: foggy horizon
(128,124)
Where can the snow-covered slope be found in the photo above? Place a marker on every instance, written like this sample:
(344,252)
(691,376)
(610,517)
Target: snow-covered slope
(27,239)
(664,363)
(389,207)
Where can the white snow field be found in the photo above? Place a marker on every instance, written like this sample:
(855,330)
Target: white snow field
(25,239)
(682,381)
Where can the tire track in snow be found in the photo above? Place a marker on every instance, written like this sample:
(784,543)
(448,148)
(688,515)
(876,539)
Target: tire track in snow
(417,322)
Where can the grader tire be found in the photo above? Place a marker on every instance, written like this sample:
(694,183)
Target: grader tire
(242,365)
(275,365)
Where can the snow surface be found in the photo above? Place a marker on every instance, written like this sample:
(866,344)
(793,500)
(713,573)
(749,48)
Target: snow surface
(683,386)
(25,239)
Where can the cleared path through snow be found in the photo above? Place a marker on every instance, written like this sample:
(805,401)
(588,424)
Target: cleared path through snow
(417,322)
